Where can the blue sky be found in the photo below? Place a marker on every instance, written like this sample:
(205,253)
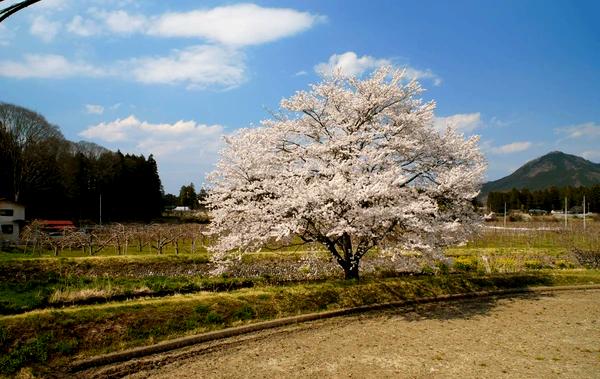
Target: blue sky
(170,78)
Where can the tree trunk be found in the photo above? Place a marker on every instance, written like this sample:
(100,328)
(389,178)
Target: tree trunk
(349,261)
(351,270)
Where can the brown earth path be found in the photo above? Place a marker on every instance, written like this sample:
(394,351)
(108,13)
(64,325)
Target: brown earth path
(535,335)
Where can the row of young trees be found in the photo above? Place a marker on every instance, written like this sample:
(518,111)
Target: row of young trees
(56,178)
(547,199)
(122,239)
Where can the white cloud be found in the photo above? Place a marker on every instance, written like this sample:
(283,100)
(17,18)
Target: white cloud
(47,66)
(585,130)
(6,35)
(184,150)
(350,64)
(83,27)
(195,66)
(581,139)
(123,23)
(235,25)
(44,29)
(514,147)
(165,139)
(111,131)
(592,155)
(240,24)
(220,63)
(464,122)
(301,73)
(415,74)
(94,109)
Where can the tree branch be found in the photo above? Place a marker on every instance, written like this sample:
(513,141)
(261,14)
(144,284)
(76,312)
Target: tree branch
(8,11)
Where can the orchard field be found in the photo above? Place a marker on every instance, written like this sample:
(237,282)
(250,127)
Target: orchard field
(88,292)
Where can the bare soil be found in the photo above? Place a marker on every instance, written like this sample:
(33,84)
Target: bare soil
(543,335)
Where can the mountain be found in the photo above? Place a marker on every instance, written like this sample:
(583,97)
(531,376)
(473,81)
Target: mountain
(553,169)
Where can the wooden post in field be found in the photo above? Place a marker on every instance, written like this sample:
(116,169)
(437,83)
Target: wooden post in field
(505,214)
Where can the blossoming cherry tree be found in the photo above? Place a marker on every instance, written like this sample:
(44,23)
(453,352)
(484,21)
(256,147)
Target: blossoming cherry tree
(352,164)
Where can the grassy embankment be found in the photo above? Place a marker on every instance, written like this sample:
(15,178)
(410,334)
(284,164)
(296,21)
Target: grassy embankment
(53,312)
(49,339)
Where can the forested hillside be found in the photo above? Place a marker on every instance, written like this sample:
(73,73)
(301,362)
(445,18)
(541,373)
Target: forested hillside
(549,199)
(57,178)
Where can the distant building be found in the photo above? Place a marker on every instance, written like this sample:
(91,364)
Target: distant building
(182,209)
(12,217)
(489,217)
(537,212)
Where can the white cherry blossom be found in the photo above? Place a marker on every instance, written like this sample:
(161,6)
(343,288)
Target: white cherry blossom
(352,164)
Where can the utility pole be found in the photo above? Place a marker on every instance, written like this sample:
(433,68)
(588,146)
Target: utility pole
(505,214)
(583,212)
(100,209)
(565,212)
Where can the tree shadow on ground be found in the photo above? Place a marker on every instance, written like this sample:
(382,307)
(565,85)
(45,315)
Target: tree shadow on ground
(462,309)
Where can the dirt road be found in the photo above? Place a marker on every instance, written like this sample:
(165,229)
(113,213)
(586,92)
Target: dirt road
(553,335)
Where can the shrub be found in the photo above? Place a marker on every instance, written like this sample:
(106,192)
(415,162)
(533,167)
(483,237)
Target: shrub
(533,264)
(504,264)
(66,346)
(32,351)
(214,318)
(3,336)
(427,270)
(587,258)
(562,263)
(202,309)
(443,267)
(519,217)
(244,313)
(466,264)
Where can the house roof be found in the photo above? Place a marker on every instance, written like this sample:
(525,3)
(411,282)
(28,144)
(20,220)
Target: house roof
(5,200)
(56,222)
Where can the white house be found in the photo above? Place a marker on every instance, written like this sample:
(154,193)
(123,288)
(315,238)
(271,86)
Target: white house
(12,216)
(182,209)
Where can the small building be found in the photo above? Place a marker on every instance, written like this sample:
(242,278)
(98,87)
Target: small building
(489,217)
(12,217)
(182,209)
(537,212)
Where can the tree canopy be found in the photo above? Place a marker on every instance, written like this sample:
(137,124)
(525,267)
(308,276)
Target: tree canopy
(351,164)
(188,197)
